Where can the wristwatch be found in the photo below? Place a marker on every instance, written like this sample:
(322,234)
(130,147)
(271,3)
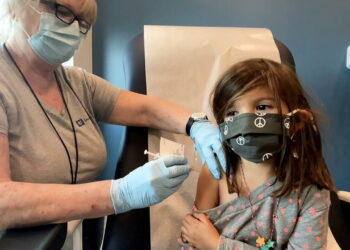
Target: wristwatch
(195,117)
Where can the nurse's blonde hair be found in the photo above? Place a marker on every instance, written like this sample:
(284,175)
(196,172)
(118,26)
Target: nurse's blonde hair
(7,9)
(15,7)
(88,10)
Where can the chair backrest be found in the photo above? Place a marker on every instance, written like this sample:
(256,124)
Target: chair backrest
(132,229)
(339,221)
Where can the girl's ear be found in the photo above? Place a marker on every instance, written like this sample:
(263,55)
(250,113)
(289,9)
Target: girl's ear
(301,117)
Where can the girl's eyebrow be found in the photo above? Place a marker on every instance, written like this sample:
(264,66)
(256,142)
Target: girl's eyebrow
(234,105)
(264,99)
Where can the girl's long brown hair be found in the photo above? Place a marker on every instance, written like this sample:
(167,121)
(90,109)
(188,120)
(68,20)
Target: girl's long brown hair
(309,167)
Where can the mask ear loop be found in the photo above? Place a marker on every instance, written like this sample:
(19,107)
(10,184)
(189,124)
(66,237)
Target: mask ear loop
(36,10)
(291,138)
(285,127)
(225,142)
(16,22)
(18,25)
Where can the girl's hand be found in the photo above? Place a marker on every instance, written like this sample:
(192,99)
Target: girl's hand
(199,232)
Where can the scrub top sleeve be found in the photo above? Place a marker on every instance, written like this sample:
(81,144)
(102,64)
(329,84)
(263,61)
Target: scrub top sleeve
(104,96)
(3,119)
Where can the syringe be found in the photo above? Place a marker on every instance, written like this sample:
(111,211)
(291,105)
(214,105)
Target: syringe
(157,155)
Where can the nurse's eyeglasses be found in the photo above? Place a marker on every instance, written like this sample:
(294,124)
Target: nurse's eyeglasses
(66,15)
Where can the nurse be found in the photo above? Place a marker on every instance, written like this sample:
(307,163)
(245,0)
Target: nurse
(49,133)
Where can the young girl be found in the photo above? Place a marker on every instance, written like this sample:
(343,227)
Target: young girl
(275,192)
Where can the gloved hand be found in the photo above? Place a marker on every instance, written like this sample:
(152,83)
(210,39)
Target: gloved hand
(206,137)
(149,184)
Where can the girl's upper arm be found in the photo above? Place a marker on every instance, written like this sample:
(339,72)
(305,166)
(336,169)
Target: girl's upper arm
(207,195)
(310,231)
(4,158)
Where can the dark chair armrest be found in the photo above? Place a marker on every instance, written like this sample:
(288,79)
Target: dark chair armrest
(39,238)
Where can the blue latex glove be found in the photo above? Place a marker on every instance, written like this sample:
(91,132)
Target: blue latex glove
(206,137)
(149,184)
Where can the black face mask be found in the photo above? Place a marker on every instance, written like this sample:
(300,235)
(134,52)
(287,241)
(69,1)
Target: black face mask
(256,137)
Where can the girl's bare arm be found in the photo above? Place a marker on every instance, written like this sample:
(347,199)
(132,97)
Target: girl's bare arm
(207,195)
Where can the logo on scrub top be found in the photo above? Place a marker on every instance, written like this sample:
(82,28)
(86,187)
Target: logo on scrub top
(81,122)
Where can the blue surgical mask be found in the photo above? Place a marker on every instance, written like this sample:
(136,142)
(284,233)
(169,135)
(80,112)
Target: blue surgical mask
(55,41)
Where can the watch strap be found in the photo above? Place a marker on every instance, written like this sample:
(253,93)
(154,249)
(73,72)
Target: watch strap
(189,125)
(195,117)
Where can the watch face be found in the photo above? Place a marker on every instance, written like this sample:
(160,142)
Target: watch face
(199,116)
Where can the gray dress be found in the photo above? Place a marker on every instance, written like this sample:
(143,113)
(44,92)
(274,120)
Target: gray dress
(301,220)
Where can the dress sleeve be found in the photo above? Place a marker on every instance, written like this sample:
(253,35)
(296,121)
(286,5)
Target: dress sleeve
(311,230)
(224,244)
(230,244)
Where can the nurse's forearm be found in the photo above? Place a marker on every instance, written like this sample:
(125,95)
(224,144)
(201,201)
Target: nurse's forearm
(28,204)
(132,109)
(165,115)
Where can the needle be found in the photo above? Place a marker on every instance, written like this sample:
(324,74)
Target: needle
(155,156)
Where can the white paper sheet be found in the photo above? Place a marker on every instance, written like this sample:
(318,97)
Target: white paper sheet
(168,147)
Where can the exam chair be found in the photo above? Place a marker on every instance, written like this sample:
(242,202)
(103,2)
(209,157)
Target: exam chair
(339,221)
(131,230)
(48,237)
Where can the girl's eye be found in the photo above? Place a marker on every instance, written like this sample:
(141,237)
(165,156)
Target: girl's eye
(262,107)
(232,113)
